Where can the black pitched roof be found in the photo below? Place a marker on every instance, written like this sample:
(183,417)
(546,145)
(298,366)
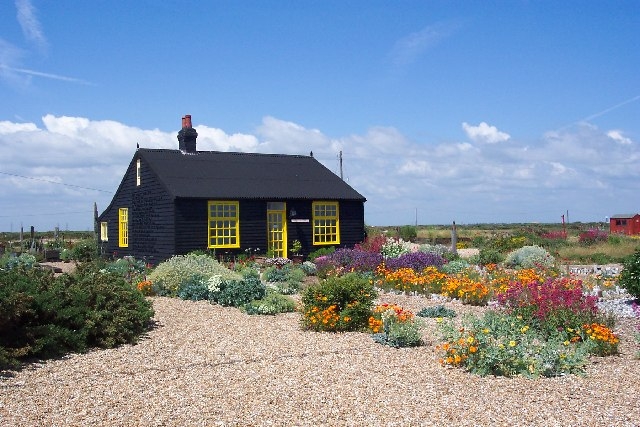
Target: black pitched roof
(222,175)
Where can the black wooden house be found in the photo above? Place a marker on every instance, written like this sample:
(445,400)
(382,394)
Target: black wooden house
(171,202)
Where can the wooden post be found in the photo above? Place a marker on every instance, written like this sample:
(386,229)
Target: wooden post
(454,239)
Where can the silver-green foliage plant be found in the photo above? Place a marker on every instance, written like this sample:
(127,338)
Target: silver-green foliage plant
(23,260)
(434,249)
(180,270)
(529,257)
(309,268)
(455,266)
(273,303)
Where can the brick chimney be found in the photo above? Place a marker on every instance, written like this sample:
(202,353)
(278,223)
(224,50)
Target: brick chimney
(187,136)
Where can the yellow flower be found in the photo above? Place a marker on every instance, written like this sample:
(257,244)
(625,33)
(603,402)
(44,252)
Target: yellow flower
(566,343)
(524,329)
(485,330)
(512,343)
(439,319)
(470,339)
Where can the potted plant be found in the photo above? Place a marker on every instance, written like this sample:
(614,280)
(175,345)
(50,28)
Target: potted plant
(296,247)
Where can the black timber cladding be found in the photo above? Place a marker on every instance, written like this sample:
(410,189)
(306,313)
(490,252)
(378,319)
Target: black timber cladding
(168,212)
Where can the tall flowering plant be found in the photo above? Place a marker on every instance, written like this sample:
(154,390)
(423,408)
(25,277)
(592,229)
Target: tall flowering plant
(394,326)
(338,303)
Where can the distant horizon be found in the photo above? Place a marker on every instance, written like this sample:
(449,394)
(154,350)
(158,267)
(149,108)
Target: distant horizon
(27,230)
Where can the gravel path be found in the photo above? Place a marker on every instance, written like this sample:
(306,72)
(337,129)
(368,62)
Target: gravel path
(206,365)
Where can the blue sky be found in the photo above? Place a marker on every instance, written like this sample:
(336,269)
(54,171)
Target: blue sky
(473,111)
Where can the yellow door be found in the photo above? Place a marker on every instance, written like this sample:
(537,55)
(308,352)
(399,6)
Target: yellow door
(277,229)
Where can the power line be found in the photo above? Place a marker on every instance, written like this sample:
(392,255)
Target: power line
(54,182)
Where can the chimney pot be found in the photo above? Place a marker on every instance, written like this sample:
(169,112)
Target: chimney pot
(183,121)
(187,120)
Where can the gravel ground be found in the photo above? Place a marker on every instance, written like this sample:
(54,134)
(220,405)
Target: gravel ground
(206,365)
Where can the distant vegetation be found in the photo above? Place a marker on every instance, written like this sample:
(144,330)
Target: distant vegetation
(577,243)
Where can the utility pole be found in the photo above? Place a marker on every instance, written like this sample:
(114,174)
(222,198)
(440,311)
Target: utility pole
(341,166)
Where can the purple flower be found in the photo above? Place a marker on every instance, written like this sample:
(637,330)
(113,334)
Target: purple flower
(418,261)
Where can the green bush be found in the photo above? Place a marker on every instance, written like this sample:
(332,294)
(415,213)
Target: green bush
(45,316)
(529,257)
(490,256)
(327,250)
(168,276)
(341,303)
(400,334)
(275,274)
(84,250)
(629,279)
(132,270)
(408,233)
(236,293)
(436,311)
(272,303)
(196,289)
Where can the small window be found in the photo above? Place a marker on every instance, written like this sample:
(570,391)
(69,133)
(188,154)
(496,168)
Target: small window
(138,173)
(224,226)
(123,227)
(104,235)
(326,223)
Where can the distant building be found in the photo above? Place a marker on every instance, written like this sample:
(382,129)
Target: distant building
(171,202)
(625,224)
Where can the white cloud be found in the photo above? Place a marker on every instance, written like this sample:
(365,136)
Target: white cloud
(457,180)
(619,137)
(30,24)
(485,133)
(408,49)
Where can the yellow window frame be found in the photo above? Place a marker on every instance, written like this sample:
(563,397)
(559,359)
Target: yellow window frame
(326,223)
(224,224)
(123,227)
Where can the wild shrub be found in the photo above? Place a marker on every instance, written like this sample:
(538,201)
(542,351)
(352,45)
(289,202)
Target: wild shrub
(489,256)
(275,274)
(436,311)
(338,303)
(273,303)
(168,276)
(593,236)
(408,233)
(529,257)
(309,268)
(629,279)
(196,289)
(10,261)
(45,316)
(506,345)
(393,326)
(129,268)
(238,292)
(434,249)
(551,306)
(84,250)
(455,266)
